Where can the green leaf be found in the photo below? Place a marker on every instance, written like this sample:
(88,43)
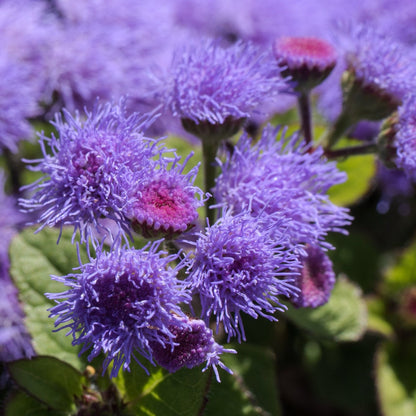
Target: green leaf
(251,390)
(377,321)
(49,380)
(21,404)
(34,257)
(162,393)
(357,256)
(360,171)
(403,274)
(395,378)
(343,318)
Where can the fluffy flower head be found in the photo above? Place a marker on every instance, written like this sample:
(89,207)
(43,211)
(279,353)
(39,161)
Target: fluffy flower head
(238,267)
(14,339)
(92,165)
(405,137)
(379,67)
(283,179)
(210,82)
(120,303)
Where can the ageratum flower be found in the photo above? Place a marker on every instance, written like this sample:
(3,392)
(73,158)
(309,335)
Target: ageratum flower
(166,202)
(316,279)
(91,166)
(14,340)
(18,101)
(284,179)
(239,268)
(404,137)
(194,344)
(121,302)
(214,88)
(379,73)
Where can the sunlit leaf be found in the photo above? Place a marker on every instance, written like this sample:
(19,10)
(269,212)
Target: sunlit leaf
(33,259)
(343,318)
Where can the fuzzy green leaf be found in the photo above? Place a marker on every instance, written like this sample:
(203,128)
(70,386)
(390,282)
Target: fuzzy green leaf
(251,390)
(49,380)
(34,257)
(162,393)
(21,404)
(395,378)
(343,318)
(360,170)
(377,321)
(403,274)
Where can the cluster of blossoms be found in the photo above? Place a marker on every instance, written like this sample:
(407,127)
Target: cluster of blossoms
(104,177)
(269,214)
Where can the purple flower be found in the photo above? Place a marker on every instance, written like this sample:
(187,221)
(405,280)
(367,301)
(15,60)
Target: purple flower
(92,166)
(194,344)
(286,180)
(378,62)
(316,279)
(10,219)
(213,84)
(166,202)
(14,339)
(239,267)
(18,101)
(121,302)
(379,73)
(405,134)
(110,48)
(15,342)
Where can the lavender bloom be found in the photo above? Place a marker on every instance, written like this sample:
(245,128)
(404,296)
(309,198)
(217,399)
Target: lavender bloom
(211,84)
(378,62)
(404,140)
(18,101)
(166,202)
(379,73)
(316,279)
(110,48)
(238,267)
(10,219)
(120,303)
(14,340)
(94,163)
(194,344)
(285,180)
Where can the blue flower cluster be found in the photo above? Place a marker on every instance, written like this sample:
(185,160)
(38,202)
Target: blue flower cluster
(106,172)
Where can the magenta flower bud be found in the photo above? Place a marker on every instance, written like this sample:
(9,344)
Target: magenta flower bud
(316,280)
(165,204)
(194,344)
(307,61)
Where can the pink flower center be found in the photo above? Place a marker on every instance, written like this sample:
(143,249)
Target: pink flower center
(309,48)
(165,205)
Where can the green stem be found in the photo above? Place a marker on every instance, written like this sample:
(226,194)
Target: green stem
(338,129)
(13,167)
(352,151)
(209,153)
(305,115)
